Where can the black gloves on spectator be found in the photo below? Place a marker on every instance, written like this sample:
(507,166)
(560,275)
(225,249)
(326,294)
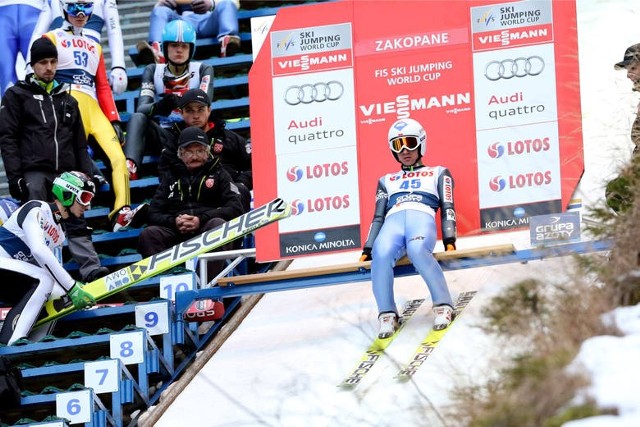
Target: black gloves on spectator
(449,244)
(366,255)
(166,105)
(117,127)
(18,189)
(202,6)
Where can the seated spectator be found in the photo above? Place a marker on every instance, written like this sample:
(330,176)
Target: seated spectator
(41,136)
(210,18)
(105,14)
(160,88)
(232,149)
(194,198)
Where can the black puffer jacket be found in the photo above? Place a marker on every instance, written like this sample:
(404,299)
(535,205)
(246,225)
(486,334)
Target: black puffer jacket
(41,131)
(232,149)
(206,192)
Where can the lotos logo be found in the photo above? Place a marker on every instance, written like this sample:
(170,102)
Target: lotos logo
(322,170)
(522,146)
(297,207)
(497,183)
(65,43)
(495,150)
(294,174)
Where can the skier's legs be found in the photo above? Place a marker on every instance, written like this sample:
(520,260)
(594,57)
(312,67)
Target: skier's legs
(420,232)
(30,289)
(160,16)
(387,249)
(97,124)
(222,21)
(136,137)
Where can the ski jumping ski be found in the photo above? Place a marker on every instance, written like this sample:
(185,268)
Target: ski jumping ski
(146,268)
(377,348)
(431,341)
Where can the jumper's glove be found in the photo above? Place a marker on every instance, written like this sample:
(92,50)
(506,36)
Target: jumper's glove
(165,105)
(449,244)
(366,255)
(168,3)
(81,298)
(117,127)
(18,189)
(202,6)
(118,80)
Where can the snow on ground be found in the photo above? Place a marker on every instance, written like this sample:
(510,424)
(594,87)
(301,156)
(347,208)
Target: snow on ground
(281,367)
(283,364)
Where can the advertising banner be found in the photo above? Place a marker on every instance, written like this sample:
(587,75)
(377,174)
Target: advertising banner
(494,83)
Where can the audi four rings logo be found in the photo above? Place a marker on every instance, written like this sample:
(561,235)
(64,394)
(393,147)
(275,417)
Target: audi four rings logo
(318,92)
(509,68)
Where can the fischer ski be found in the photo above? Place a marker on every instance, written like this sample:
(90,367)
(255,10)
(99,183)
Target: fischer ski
(431,341)
(379,345)
(123,278)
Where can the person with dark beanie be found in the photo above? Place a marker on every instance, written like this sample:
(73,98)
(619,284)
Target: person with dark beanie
(41,136)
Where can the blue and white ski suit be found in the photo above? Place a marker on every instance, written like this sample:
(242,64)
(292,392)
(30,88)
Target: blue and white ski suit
(404,223)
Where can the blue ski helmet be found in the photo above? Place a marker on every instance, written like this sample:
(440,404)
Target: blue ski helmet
(77,8)
(179,31)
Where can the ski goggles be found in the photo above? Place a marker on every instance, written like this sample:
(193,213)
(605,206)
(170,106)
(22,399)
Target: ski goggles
(84,198)
(78,9)
(400,143)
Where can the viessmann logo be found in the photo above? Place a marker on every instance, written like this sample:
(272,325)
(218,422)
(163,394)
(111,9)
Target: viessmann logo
(403,105)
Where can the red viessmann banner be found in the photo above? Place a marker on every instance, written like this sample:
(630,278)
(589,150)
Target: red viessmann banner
(494,83)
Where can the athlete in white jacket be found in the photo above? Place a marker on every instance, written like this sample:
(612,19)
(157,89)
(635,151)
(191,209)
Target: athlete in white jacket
(105,13)
(29,269)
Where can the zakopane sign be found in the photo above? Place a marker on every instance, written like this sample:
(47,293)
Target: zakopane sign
(495,84)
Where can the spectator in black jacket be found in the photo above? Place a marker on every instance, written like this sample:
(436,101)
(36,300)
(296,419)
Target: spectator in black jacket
(194,198)
(232,149)
(41,136)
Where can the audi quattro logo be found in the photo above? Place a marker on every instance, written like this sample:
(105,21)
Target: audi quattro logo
(317,92)
(510,68)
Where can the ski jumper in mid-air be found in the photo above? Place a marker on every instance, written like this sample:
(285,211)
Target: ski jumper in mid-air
(404,223)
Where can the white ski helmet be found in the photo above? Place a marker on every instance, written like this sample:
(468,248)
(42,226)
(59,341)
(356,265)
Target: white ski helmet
(409,134)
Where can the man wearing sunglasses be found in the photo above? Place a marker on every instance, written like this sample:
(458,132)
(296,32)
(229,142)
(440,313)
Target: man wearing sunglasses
(194,198)
(41,135)
(31,272)
(404,223)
